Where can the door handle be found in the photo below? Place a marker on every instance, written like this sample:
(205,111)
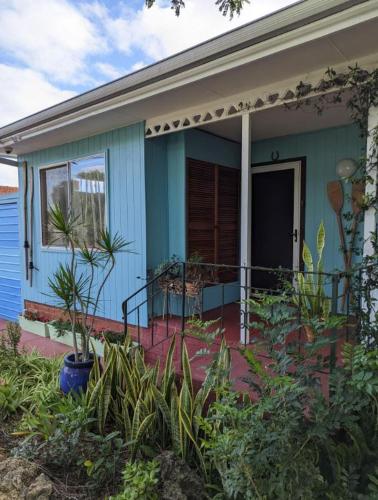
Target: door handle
(295,235)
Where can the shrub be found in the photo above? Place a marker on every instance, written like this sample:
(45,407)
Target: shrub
(13,398)
(11,337)
(140,480)
(55,439)
(293,442)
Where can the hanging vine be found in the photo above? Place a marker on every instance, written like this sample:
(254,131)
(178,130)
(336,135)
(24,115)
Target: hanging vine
(357,90)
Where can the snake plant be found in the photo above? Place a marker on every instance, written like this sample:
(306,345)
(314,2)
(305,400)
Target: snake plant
(310,295)
(151,407)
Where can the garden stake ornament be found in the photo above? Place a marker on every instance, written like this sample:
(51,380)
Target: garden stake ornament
(336,199)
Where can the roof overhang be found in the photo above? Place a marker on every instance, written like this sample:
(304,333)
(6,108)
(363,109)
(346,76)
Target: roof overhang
(7,160)
(292,43)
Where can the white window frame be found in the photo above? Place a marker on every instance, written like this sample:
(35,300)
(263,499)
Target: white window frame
(47,248)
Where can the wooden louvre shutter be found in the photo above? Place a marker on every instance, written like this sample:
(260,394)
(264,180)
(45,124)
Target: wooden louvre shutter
(213,212)
(228,215)
(200,211)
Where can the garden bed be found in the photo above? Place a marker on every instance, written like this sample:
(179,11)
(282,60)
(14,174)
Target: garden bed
(34,326)
(49,331)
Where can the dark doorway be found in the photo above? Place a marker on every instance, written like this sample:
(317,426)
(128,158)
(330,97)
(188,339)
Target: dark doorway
(275,224)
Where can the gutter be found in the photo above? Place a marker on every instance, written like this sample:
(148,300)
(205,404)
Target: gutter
(8,161)
(288,19)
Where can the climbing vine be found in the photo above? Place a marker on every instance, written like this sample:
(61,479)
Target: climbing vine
(357,90)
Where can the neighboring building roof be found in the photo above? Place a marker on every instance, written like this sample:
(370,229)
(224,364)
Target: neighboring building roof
(302,13)
(8,189)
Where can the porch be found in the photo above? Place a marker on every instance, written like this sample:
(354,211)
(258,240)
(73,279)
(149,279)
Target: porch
(203,332)
(248,191)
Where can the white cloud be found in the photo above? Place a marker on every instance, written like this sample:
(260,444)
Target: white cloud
(50,36)
(8,175)
(53,43)
(24,91)
(158,33)
(109,70)
(138,65)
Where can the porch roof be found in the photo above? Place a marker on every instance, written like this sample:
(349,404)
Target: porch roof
(296,41)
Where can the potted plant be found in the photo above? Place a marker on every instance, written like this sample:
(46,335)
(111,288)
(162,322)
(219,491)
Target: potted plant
(78,295)
(196,276)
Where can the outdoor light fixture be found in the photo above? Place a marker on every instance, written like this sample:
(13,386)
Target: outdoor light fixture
(346,167)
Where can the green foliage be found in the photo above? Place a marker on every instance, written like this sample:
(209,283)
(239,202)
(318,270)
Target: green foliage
(310,296)
(140,480)
(55,439)
(260,450)
(102,459)
(73,284)
(280,332)
(13,398)
(153,412)
(362,366)
(292,442)
(10,338)
(27,382)
(226,7)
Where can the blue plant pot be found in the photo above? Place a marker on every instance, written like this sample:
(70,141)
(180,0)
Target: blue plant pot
(74,375)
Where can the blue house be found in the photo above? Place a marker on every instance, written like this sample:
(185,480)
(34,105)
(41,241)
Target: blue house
(199,154)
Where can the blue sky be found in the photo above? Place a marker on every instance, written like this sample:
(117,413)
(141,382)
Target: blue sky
(51,50)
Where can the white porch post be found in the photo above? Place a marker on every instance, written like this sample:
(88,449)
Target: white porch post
(245,221)
(371,188)
(370,222)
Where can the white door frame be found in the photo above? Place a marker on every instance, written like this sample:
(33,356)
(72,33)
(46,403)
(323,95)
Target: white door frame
(297,167)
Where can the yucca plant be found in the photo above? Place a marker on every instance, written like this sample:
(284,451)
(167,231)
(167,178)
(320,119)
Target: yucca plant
(73,284)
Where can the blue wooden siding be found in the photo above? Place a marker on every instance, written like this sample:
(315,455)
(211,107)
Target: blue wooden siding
(322,150)
(213,149)
(165,186)
(157,201)
(126,210)
(176,194)
(10,258)
(166,196)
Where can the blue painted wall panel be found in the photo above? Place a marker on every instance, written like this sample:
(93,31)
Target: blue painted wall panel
(176,156)
(213,149)
(165,186)
(126,214)
(10,259)
(157,201)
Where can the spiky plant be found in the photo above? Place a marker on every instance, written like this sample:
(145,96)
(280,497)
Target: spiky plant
(73,284)
(152,410)
(311,295)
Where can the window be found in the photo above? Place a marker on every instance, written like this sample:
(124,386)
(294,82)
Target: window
(78,185)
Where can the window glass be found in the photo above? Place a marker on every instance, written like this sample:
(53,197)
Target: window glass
(88,196)
(54,191)
(84,195)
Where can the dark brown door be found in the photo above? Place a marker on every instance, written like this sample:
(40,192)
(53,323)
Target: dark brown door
(272,225)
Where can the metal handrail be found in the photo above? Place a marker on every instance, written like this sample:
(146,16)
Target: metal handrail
(183,267)
(146,286)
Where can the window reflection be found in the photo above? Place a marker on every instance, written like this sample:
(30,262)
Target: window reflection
(78,185)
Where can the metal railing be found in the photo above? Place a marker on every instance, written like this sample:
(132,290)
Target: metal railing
(184,290)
